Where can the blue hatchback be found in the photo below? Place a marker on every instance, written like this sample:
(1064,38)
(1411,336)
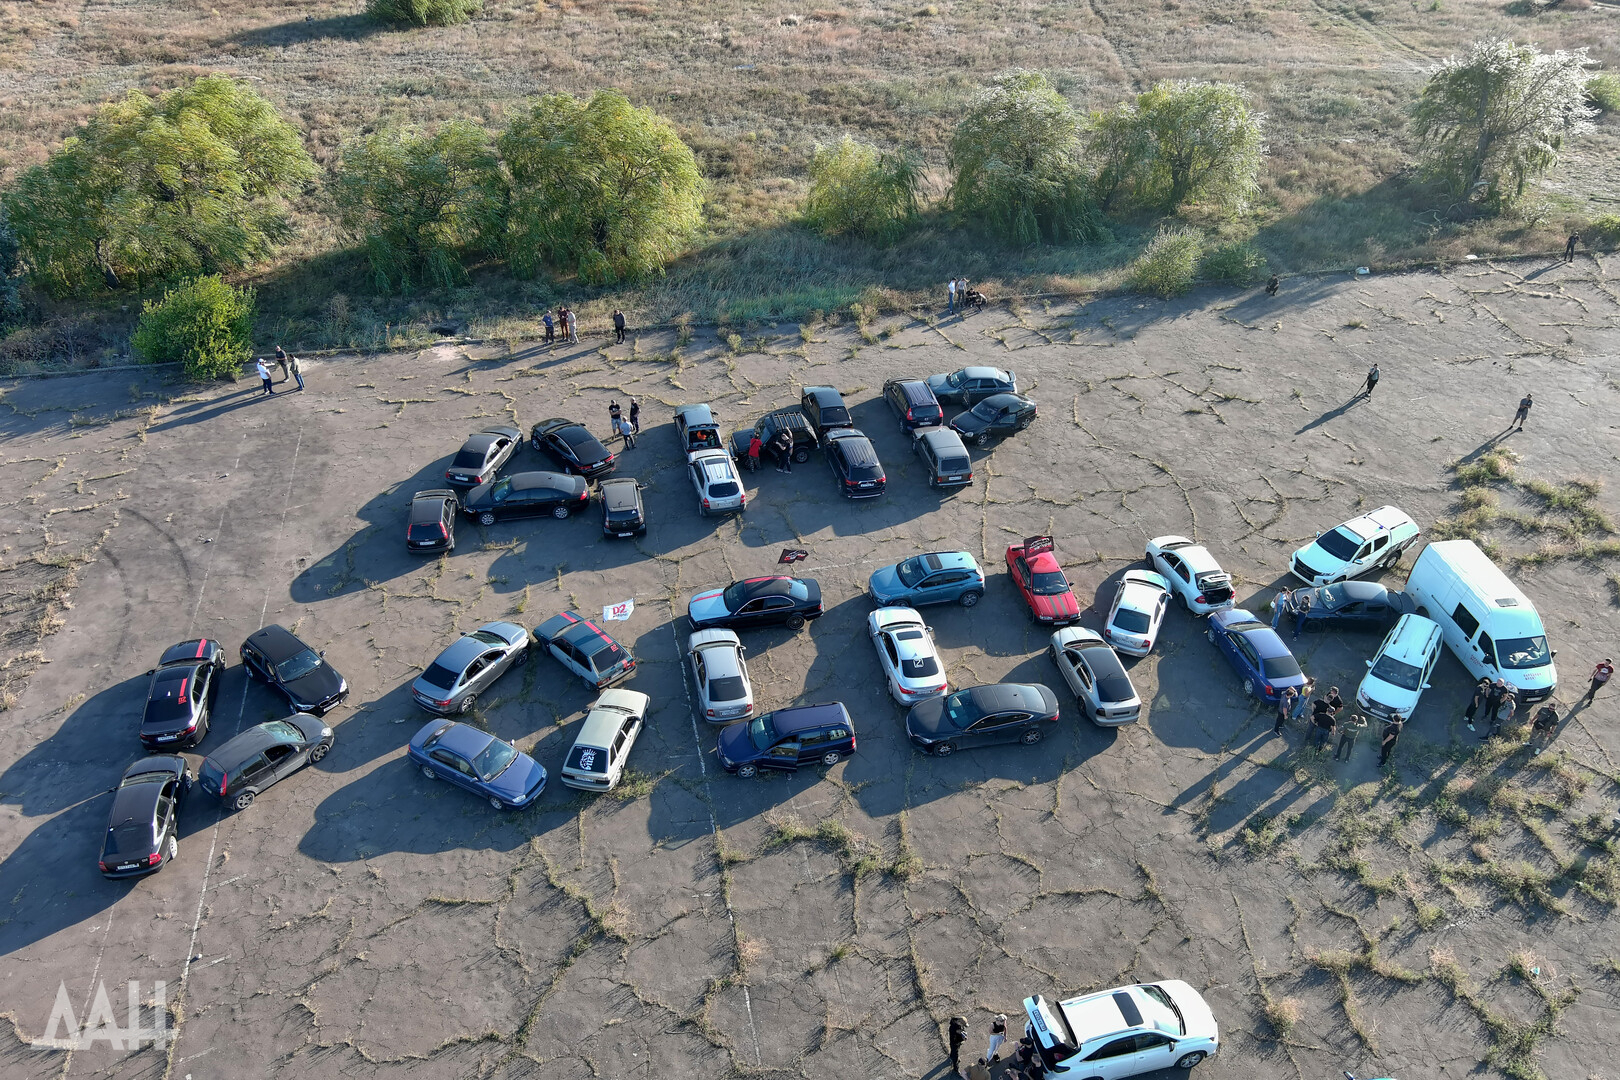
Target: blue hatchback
(479,762)
(937,577)
(1255,652)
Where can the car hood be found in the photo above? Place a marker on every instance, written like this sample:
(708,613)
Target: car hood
(518,778)
(317,686)
(940,385)
(735,744)
(706,605)
(1195,1011)
(968,423)
(927,719)
(885,583)
(1316,562)
(1057,606)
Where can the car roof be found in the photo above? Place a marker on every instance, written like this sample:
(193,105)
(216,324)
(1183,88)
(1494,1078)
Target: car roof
(534,481)
(854,445)
(776,585)
(135,802)
(898,617)
(428,506)
(481,441)
(1268,644)
(999,697)
(607,716)
(167,764)
(986,373)
(1370,524)
(252,741)
(464,739)
(587,636)
(703,639)
(1001,401)
(191,651)
(915,390)
(1140,594)
(942,440)
(1362,590)
(716,464)
(1195,555)
(620,493)
(276,642)
(460,653)
(1412,636)
(695,415)
(1103,1013)
(824,395)
(803,717)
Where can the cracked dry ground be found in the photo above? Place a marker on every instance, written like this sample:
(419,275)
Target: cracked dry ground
(359,920)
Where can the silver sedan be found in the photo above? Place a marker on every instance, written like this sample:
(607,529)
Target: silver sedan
(452,683)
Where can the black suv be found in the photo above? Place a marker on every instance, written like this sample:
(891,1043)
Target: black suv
(432,526)
(303,676)
(622,511)
(790,420)
(913,403)
(180,698)
(241,769)
(855,464)
(787,739)
(825,409)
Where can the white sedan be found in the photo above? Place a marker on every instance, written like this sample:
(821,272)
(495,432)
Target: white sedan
(1361,545)
(1122,1032)
(721,677)
(905,648)
(1139,606)
(1194,575)
(714,478)
(1096,676)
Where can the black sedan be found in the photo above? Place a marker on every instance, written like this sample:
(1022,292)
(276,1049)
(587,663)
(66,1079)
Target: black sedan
(574,449)
(527,494)
(996,416)
(482,456)
(180,697)
(141,829)
(1348,605)
(982,716)
(274,655)
(760,601)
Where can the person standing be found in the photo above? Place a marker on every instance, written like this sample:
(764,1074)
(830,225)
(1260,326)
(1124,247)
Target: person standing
(754,447)
(1392,733)
(958,1036)
(1372,380)
(950,296)
(1279,604)
(622,427)
(1482,690)
(784,443)
(961,291)
(978,1071)
(1285,708)
(551,327)
(1569,246)
(1304,695)
(297,370)
(1543,728)
(635,416)
(1301,606)
(1272,285)
(1349,732)
(618,326)
(1600,677)
(1322,723)
(281,358)
(1524,411)
(1335,702)
(264,377)
(1506,705)
(573,327)
(998,1035)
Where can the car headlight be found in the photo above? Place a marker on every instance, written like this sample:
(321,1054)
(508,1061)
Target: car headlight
(326,732)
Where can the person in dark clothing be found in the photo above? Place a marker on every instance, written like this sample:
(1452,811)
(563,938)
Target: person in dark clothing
(618,326)
(1482,690)
(635,416)
(958,1036)
(1349,732)
(1569,246)
(1523,412)
(1272,285)
(1335,702)
(1372,381)
(1392,732)
(1322,721)
(281,358)
(784,444)
(1285,708)
(614,412)
(551,327)
(1499,707)
(1542,728)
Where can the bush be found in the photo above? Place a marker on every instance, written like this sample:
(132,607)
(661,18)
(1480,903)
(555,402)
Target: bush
(10,275)
(1168,264)
(205,324)
(420,203)
(602,188)
(856,188)
(1603,93)
(424,12)
(1015,163)
(1606,228)
(1179,143)
(1237,263)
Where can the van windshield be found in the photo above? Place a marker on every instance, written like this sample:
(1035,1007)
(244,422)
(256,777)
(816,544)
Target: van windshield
(1523,652)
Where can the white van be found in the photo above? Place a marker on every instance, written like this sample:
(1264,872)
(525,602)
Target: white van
(1486,621)
(1399,671)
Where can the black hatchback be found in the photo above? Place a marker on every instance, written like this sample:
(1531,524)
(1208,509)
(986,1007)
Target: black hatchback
(914,403)
(996,416)
(276,656)
(240,770)
(855,464)
(141,828)
(432,525)
(623,513)
(180,697)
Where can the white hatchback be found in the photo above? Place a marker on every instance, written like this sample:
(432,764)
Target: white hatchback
(905,648)
(1096,676)
(596,760)
(721,676)
(714,478)
(1194,575)
(1139,606)
(1361,545)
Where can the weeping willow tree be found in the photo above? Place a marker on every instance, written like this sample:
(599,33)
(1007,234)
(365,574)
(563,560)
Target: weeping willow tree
(859,190)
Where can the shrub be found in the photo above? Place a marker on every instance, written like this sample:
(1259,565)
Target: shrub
(205,324)
(424,12)
(1606,228)
(1603,93)
(148,189)
(1179,143)
(1015,164)
(856,188)
(602,188)
(10,274)
(1236,263)
(1168,264)
(420,203)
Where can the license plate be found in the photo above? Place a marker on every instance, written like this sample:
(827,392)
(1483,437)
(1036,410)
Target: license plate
(127,866)
(953,478)
(866,483)
(167,738)
(625,534)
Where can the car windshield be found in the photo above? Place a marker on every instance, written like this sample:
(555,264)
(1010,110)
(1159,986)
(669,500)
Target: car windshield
(735,595)
(911,571)
(439,675)
(1158,994)
(1331,597)
(502,488)
(488,637)
(1339,544)
(297,666)
(1523,652)
(1132,622)
(1279,667)
(1049,584)
(587,759)
(954,379)
(986,411)
(1397,673)
(762,732)
(961,711)
(727,688)
(493,759)
(284,729)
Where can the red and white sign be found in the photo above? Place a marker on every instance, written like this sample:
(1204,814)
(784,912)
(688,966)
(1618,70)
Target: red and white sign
(620,611)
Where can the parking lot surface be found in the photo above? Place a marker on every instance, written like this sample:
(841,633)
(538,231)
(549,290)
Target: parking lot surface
(1453,915)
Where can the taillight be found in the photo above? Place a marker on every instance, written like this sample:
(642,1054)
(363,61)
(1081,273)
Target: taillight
(907,690)
(222,782)
(744,502)
(1199,599)
(585,495)
(154,858)
(705,503)
(447,475)
(883,479)
(104,867)
(444,533)
(193,725)
(1270,689)
(909,416)
(709,712)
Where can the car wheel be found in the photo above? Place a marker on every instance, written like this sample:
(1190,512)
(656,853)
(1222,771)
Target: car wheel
(428,772)
(1186,604)
(559,512)
(317,752)
(1250,689)
(243,801)
(1030,737)
(943,749)
(1187,1061)
(983,440)
(486,518)
(971,597)
(521,658)
(465,704)
(1209,632)
(703,511)
(933,482)
(831,757)
(496,803)
(801,455)
(795,622)
(747,772)
(174,847)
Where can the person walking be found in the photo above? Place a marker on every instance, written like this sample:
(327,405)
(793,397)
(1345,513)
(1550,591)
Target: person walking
(1349,732)
(1279,604)
(1392,733)
(1600,677)
(1372,380)
(754,447)
(1569,246)
(297,370)
(264,377)
(1543,728)
(618,326)
(950,297)
(958,1036)
(281,358)
(1285,708)
(635,416)
(1523,411)
(998,1035)
(551,327)
(573,327)
(1322,723)
(1272,285)
(1482,690)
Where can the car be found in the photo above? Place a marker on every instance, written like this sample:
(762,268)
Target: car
(275,655)
(1126,1031)
(787,739)
(181,693)
(575,450)
(714,478)
(982,716)
(1093,671)
(1255,652)
(243,768)
(970,385)
(997,416)
(476,760)
(142,826)
(697,429)
(1350,605)
(1035,571)
(854,464)
(482,455)
(724,692)
(452,683)
(944,456)
(526,494)
(584,648)
(1361,545)
(623,513)
(1194,576)
(757,601)
(1399,671)
(596,760)
(934,577)
(906,653)
(825,409)
(431,525)
(1139,605)
(913,403)
(768,426)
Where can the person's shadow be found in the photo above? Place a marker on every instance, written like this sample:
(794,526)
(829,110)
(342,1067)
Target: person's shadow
(1333,414)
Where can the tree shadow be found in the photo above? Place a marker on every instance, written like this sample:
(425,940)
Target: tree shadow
(308,29)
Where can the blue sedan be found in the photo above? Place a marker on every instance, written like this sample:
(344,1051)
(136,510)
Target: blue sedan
(1255,652)
(479,762)
(938,577)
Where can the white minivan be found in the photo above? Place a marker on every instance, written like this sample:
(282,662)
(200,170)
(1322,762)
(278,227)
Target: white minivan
(1486,621)
(1399,671)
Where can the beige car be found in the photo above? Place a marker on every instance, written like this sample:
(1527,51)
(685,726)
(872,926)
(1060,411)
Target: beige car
(596,760)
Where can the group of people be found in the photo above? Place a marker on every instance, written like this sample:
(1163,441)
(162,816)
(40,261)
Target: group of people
(625,427)
(568,320)
(1025,1064)
(1328,720)
(290,368)
(958,295)
(780,446)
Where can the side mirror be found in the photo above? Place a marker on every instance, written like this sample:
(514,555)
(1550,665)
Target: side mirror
(1425,686)
(323,654)
(1369,663)
(1552,654)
